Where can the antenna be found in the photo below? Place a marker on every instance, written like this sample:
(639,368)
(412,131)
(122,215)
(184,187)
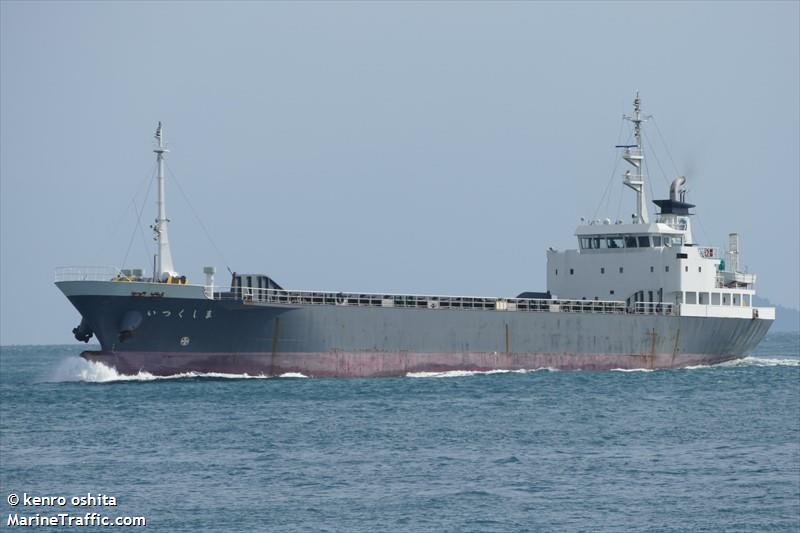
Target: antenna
(635,156)
(164,267)
(733,253)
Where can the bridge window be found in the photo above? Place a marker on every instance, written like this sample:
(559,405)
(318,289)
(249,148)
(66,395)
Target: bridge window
(630,242)
(726,299)
(714,298)
(657,240)
(598,242)
(736,299)
(644,241)
(703,298)
(691,297)
(615,242)
(586,243)
(746,298)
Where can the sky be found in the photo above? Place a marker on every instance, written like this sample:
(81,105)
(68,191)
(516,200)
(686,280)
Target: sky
(388,147)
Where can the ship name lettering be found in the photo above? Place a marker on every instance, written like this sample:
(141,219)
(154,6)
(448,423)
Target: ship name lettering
(166,313)
(208,314)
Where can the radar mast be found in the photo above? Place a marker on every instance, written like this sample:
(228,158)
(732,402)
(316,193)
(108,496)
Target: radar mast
(163,266)
(634,155)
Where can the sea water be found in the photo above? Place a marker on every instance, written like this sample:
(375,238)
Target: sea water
(705,448)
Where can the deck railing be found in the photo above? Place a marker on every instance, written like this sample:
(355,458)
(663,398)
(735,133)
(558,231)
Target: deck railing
(654,308)
(86,273)
(258,296)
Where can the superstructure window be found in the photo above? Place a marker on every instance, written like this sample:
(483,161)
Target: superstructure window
(677,240)
(598,242)
(571,271)
(620,270)
(602,270)
(666,268)
(652,269)
(586,243)
(630,242)
(657,241)
(644,241)
(615,242)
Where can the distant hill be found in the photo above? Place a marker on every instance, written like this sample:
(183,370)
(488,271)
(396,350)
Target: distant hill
(786,319)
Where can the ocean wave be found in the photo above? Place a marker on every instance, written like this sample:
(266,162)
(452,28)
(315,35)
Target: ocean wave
(76,369)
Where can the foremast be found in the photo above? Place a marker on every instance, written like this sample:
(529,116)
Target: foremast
(634,154)
(164,269)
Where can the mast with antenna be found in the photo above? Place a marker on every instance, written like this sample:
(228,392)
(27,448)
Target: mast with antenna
(634,155)
(163,267)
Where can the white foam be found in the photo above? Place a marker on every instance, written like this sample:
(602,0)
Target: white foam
(632,370)
(750,361)
(79,369)
(763,361)
(467,373)
(699,367)
(292,375)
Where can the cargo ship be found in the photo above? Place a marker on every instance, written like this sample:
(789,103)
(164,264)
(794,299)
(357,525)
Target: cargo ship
(635,294)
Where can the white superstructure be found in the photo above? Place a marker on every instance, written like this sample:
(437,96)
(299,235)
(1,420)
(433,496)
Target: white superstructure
(654,266)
